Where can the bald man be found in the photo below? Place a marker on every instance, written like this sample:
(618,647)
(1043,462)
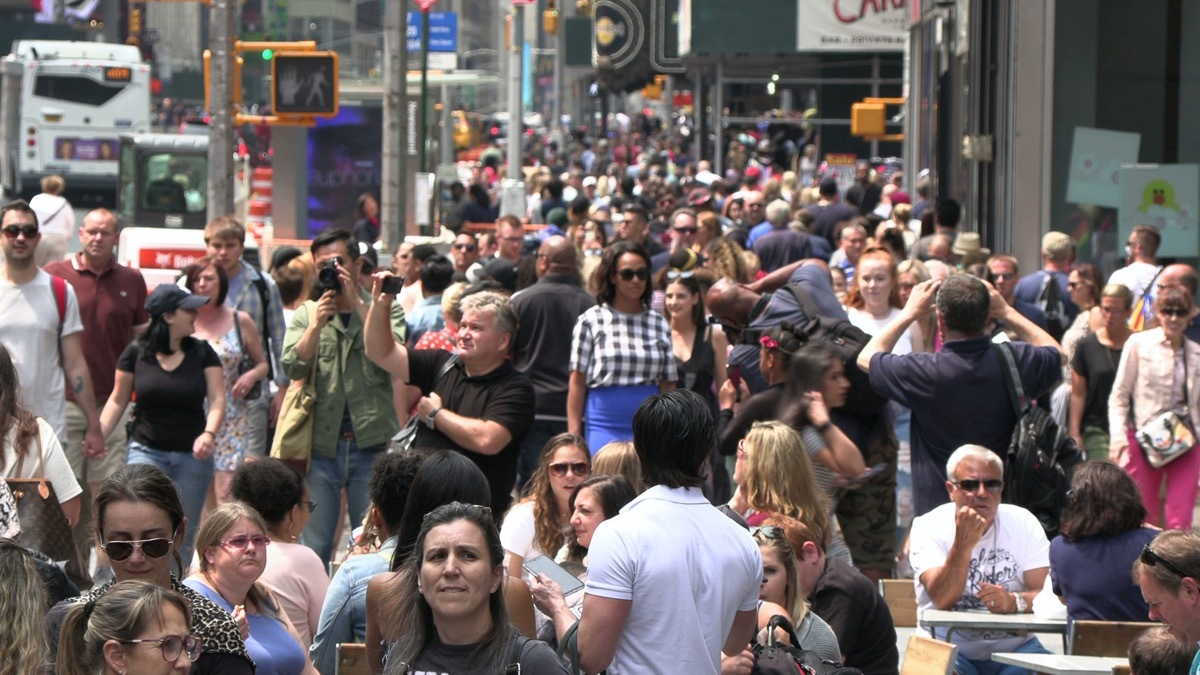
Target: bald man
(547,312)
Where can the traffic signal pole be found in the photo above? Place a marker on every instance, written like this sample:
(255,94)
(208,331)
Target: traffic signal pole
(221,177)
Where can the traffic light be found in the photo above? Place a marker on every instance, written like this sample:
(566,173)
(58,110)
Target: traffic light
(268,54)
(868,119)
(305,83)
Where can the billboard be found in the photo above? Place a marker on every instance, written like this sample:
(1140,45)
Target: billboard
(842,26)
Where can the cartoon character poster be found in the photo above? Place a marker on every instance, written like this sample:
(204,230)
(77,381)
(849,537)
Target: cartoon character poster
(1097,156)
(1166,196)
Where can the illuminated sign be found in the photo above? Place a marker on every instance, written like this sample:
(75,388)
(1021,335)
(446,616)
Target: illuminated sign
(117,74)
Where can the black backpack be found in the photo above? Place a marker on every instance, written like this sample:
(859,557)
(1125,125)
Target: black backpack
(773,658)
(847,340)
(1051,301)
(1041,456)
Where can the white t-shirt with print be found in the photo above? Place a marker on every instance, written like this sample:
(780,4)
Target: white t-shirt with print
(1013,545)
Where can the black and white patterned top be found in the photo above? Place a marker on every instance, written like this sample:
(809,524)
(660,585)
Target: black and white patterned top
(615,349)
(10,526)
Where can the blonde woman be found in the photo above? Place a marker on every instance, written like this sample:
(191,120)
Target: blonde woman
(23,607)
(619,458)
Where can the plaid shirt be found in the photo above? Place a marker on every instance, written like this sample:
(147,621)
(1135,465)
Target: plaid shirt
(614,349)
(250,302)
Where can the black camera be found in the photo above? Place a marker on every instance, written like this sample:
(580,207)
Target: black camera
(328,278)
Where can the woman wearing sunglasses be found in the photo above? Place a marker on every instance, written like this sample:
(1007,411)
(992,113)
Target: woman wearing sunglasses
(136,627)
(294,572)
(232,544)
(1158,374)
(140,525)
(537,524)
(620,350)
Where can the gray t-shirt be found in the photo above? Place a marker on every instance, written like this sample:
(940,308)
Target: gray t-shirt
(443,659)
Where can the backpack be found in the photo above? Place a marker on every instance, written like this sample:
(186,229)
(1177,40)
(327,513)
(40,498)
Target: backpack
(1051,301)
(1041,456)
(58,286)
(779,659)
(847,340)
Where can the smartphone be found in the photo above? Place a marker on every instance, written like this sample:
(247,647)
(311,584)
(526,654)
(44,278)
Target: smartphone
(392,284)
(543,565)
(735,375)
(868,474)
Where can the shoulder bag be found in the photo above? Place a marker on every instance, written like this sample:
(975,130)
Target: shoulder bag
(44,526)
(774,658)
(294,430)
(1168,435)
(404,439)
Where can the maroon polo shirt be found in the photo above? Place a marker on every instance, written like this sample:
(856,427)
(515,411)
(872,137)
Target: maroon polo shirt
(110,305)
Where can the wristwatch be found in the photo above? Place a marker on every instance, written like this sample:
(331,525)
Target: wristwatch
(1022,605)
(429,418)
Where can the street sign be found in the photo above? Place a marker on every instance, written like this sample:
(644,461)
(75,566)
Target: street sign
(305,83)
(426,5)
(443,31)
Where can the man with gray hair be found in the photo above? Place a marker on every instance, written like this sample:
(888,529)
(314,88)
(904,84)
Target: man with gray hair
(475,402)
(957,395)
(781,246)
(852,241)
(975,553)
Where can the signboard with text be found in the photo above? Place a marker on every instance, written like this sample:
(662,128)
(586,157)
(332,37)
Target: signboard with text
(443,31)
(840,26)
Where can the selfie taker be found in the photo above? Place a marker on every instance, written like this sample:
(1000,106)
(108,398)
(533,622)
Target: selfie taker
(354,416)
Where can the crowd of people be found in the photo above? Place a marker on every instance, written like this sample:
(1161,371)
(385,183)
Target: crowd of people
(628,390)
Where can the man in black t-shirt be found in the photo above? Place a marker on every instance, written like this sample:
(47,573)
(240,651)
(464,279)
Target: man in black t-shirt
(478,403)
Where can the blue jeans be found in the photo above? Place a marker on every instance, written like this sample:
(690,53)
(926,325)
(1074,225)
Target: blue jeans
(531,448)
(193,477)
(327,476)
(964,667)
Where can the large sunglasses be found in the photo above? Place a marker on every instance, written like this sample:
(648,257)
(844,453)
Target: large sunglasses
(151,548)
(971,485)
(1152,559)
(173,645)
(578,468)
(30,231)
(642,273)
(1173,312)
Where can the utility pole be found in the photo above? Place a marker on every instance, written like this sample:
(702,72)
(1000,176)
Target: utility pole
(393,201)
(222,16)
(515,73)
(423,110)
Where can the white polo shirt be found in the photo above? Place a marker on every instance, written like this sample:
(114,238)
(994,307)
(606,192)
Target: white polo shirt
(686,567)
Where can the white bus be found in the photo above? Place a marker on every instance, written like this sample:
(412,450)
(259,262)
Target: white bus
(62,106)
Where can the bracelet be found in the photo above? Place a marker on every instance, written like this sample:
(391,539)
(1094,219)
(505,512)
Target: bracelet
(210,433)
(822,428)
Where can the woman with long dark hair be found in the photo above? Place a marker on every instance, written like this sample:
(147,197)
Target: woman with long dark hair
(176,378)
(452,605)
(620,350)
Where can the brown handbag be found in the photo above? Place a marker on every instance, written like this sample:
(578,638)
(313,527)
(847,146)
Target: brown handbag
(44,526)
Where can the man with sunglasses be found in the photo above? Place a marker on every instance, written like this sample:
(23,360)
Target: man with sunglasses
(44,348)
(1168,572)
(975,553)
(464,251)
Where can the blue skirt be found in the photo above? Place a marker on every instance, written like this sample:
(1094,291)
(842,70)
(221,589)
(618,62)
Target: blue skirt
(608,413)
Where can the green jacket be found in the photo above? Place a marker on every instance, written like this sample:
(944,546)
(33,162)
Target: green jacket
(344,376)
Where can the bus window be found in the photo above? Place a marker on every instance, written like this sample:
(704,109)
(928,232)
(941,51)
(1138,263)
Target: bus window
(75,89)
(174,184)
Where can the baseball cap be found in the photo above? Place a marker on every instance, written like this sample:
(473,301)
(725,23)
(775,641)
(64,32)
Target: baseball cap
(169,297)
(699,197)
(589,180)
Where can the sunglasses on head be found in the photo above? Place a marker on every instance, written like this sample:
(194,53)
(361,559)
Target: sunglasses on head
(151,548)
(560,469)
(641,273)
(30,231)
(972,485)
(1152,559)
(677,274)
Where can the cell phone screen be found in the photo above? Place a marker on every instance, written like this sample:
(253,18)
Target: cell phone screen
(735,375)
(392,285)
(543,565)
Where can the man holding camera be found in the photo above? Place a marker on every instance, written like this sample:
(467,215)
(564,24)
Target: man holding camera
(354,417)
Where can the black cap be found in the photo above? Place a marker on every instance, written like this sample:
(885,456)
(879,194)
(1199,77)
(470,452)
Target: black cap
(169,297)
(503,271)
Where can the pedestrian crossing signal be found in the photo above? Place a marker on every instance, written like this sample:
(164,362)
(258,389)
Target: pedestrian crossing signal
(305,83)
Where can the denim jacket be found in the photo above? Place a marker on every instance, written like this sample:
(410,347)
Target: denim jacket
(344,615)
(345,377)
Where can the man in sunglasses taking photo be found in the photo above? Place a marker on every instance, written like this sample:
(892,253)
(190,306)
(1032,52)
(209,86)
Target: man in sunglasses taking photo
(976,553)
(1167,572)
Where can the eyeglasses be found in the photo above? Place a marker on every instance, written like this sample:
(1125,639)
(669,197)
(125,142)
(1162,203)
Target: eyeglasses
(1173,312)
(173,645)
(151,548)
(970,485)
(1075,284)
(1152,559)
(578,468)
(312,506)
(464,247)
(686,230)
(240,543)
(30,231)
(677,274)
(642,273)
